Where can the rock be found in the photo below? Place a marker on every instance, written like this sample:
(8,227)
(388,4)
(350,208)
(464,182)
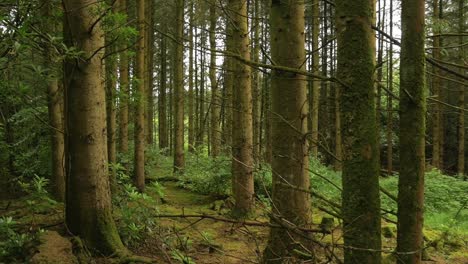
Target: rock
(54,249)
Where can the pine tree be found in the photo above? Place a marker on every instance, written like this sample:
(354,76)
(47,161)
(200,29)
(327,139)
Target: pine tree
(412,133)
(88,209)
(289,127)
(360,178)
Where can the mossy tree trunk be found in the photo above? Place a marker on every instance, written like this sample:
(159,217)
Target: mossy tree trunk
(111,113)
(139,130)
(88,203)
(124,86)
(149,71)
(412,133)
(290,160)
(179,160)
(242,159)
(360,196)
(55,107)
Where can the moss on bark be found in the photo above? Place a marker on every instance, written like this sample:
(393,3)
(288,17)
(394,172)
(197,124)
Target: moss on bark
(88,201)
(412,133)
(361,202)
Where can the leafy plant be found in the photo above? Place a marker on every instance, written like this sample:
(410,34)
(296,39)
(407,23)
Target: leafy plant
(136,211)
(38,199)
(181,257)
(13,244)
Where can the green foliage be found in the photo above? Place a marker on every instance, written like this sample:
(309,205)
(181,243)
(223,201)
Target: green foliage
(206,175)
(31,148)
(181,257)
(445,196)
(135,211)
(38,199)
(13,244)
(157,188)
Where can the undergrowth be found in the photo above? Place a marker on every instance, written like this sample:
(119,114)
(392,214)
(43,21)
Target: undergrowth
(446,207)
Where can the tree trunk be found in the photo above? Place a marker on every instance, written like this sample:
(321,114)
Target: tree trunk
(436,84)
(179,161)
(55,109)
(149,71)
(124,89)
(338,138)
(201,93)
(139,134)
(191,124)
(88,204)
(215,136)
(242,160)
(256,94)
(162,101)
(228,87)
(412,133)
(390,101)
(111,75)
(290,161)
(110,68)
(360,196)
(315,98)
(461,98)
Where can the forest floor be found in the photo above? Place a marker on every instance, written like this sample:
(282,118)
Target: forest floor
(207,240)
(196,228)
(213,241)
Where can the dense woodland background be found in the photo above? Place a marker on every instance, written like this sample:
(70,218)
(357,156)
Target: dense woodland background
(233,131)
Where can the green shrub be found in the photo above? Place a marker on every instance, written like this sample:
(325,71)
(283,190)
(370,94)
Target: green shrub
(14,245)
(135,211)
(206,175)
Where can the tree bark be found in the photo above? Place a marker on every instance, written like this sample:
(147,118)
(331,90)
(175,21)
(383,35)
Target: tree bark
(360,196)
(461,98)
(436,84)
(242,159)
(412,133)
(390,101)
(111,75)
(140,106)
(179,160)
(215,94)
(228,87)
(149,71)
(110,68)
(256,84)
(88,203)
(315,98)
(162,101)
(191,113)
(124,89)
(55,109)
(290,160)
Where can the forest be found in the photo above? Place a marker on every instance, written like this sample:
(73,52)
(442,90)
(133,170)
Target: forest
(233,131)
